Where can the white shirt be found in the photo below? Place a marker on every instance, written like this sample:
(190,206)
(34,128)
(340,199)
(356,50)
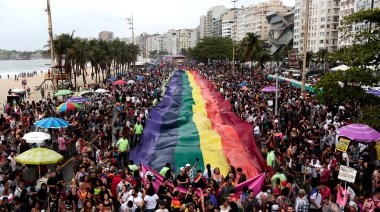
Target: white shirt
(151,201)
(317,197)
(137,201)
(124,208)
(12,163)
(256,130)
(205,174)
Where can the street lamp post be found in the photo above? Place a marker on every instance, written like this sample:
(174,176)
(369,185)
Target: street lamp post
(305,47)
(233,37)
(277,72)
(130,22)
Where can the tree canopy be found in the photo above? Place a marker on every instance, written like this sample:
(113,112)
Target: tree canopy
(213,48)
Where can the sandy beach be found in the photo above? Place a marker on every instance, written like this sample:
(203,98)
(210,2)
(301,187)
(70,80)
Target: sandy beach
(32,83)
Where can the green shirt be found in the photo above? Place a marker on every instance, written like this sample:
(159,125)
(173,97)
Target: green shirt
(270,159)
(164,170)
(155,102)
(138,129)
(123,144)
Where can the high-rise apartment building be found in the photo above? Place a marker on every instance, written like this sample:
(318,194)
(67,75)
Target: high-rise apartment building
(214,22)
(203,27)
(259,22)
(323,25)
(348,7)
(106,35)
(228,24)
(281,32)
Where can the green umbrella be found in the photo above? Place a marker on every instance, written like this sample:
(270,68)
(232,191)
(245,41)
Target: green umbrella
(81,93)
(63,93)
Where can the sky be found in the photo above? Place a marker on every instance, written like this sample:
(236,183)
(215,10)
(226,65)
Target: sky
(24,23)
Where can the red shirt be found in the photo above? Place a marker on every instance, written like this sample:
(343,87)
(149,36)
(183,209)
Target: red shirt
(325,192)
(116,180)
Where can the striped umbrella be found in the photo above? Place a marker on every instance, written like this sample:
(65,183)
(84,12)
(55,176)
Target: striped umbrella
(52,123)
(77,99)
(68,106)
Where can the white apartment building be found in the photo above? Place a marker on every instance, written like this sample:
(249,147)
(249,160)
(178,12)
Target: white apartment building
(214,15)
(241,22)
(259,22)
(203,27)
(323,25)
(106,35)
(228,24)
(348,7)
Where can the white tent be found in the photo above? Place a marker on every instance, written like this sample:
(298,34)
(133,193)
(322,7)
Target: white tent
(341,67)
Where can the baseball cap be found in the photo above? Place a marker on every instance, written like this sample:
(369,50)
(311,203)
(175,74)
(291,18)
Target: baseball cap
(106,169)
(182,168)
(302,191)
(188,164)
(275,207)
(161,202)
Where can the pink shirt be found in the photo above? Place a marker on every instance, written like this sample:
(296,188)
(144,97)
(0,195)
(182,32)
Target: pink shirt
(341,200)
(61,143)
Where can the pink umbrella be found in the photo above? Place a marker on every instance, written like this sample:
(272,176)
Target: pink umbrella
(359,132)
(119,82)
(269,89)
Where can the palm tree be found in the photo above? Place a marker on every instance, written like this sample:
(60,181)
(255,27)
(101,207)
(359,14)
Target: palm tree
(321,57)
(251,47)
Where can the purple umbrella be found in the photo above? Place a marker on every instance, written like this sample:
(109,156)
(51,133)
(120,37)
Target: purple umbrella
(269,89)
(374,92)
(359,132)
(77,99)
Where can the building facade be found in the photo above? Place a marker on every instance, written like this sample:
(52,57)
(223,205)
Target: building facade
(323,25)
(259,22)
(106,35)
(281,31)
(214,22)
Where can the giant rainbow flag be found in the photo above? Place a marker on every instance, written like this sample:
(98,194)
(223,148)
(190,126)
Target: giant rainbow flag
(193,120)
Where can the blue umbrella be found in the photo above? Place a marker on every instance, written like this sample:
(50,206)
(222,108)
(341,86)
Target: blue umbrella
(111,79)
(140,78)
(77,99)
(52,123)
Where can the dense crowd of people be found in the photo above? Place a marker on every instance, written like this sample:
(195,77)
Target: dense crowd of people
(299,143)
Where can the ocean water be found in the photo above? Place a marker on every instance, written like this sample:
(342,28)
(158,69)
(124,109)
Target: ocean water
(13,67)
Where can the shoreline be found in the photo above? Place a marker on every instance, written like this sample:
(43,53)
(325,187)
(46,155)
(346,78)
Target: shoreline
(32,83)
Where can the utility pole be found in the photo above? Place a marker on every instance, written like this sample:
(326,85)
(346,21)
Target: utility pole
(130,22)
(305,47)
(370,22)
(233,38)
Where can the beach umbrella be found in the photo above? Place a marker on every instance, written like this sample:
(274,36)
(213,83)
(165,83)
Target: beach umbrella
(52,123)
(359,132)
(39,156)
(269,89)
(17,90)
(36,137)
(131,81)
(77,99)
(101,90)
(68,106)
(139,78)
(111,79)
(119,82)
(374,92)
(63,93)
(82,93)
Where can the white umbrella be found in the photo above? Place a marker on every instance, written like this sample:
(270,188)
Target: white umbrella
(101,90)
(131,81)
(341,67)
(36,137)
(17,90)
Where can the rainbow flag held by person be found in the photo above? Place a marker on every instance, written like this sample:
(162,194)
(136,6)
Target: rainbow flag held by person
(194,121)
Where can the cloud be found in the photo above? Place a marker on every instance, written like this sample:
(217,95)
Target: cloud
(24,22)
